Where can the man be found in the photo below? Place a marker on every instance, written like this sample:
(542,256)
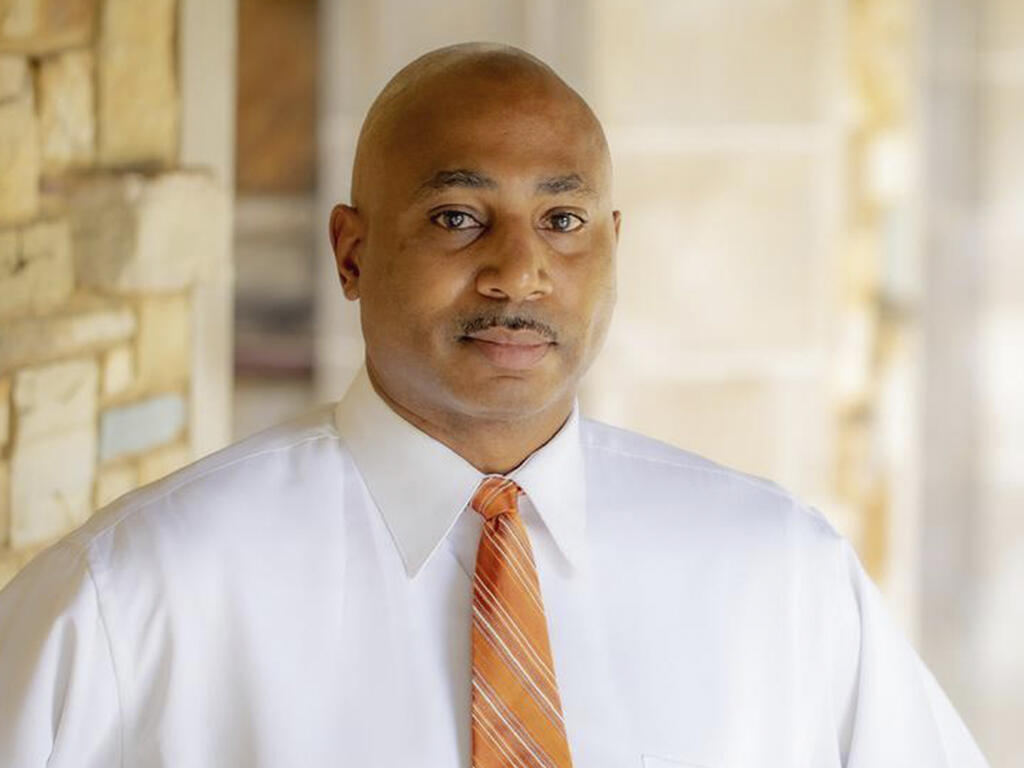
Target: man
(452,566)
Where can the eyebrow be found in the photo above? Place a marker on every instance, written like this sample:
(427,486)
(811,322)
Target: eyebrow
(569,183)
(457,178)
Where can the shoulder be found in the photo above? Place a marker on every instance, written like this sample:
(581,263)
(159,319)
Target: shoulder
(635,448)
(242,478)
(696,489)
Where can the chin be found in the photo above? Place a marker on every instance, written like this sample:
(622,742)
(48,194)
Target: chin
(504,398)
(510,397)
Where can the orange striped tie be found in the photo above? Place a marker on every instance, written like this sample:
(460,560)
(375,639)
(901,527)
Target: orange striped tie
(517,714)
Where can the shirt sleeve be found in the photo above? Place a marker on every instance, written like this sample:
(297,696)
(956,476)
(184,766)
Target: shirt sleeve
(890,709)
(59,701)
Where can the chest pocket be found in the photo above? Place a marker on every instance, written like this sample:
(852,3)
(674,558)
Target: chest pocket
(652,761)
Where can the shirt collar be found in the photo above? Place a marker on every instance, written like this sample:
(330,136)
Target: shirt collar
(421,486)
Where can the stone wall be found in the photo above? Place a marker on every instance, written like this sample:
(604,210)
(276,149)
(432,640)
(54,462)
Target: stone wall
(103,239)
(878,296)
(727,142)
(999,518)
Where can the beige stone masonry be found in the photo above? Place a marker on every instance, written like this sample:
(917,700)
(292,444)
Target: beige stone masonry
(86,323)
(162,461)
(51,398)
(5,411)
(19,157)
(35,268)
(138,100)
(730,287)
(118,371)
(105,241)
(13,76)
(162,346)
(1002,25)
(5,504)
(54,454)
(114,481)
(134,233)
(51,484)
(42,26)
(67,126)
(137,427)
(753,63)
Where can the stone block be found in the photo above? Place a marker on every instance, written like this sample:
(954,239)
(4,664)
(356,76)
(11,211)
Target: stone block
(723,252)
(1002,162)
(133,233)
(118,370)
(5,504)
(36,272)
(163,461)
(138,427)
(707,418)
(773,428)
(1002,26)
(50,399)
(711,63)
(1002,412)
(5,410)
(13,76)
(67,126)
(1002,277)
(10,263)
(137,89)
(19,158)
(115,481)
(84,324)
(43,26)
(51,484)
(162,343)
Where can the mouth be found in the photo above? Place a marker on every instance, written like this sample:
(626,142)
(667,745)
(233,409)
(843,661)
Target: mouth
(513,350)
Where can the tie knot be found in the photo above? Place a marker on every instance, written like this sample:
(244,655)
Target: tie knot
(495,496)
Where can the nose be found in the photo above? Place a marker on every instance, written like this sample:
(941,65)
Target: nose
(515,268)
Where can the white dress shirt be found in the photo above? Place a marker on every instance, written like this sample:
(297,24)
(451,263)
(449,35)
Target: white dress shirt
(303,598)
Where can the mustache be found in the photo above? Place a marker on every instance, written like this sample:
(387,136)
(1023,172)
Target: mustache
(479,323)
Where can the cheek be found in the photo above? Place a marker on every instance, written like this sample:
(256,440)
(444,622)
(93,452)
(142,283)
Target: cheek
(591,285)
(597,303)
(414,291)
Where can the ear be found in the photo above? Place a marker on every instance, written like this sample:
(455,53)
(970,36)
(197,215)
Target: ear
(617,220)
(347,231)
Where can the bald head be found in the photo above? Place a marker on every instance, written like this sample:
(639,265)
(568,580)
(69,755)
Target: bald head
(457,82)
(480,245)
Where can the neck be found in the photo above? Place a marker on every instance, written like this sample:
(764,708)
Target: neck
(493,446)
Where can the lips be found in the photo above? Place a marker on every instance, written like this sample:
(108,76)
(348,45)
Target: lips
(506,336)
(515,350)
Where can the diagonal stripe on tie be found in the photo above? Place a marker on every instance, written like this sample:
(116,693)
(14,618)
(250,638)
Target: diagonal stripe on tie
(516,710)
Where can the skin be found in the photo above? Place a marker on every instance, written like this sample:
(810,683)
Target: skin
(481,199)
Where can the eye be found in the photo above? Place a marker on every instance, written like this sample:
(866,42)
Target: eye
(455,220)
(563,221)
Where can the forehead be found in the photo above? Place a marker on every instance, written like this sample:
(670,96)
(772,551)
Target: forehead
(509,134)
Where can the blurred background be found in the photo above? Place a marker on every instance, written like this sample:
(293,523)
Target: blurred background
(820,268)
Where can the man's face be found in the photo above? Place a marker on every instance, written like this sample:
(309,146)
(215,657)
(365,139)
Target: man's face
(486,271)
